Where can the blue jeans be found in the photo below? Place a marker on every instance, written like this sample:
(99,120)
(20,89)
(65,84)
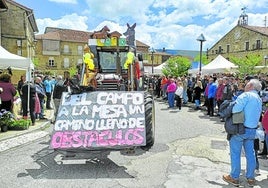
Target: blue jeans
(184,96)
(164,89)
(197,102)
(247,142)
(42,102)
(171,99)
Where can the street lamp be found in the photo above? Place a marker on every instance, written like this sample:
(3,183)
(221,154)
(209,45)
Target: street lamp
(201,39)
(265,59)
(152,58)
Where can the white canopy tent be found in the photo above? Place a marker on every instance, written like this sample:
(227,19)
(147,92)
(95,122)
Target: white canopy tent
(218,65)
(15,62)
(158,69)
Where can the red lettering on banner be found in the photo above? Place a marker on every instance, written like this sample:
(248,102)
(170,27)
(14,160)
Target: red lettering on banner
(87,139)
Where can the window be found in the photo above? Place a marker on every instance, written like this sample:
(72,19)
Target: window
(19,52)
(258,44)
(51,62)
(66,49)
(108,60)
(50,45)
(79,50)
(220,50)
(19,43)
(228,48)
(79,61)
(66,63)
(247,46)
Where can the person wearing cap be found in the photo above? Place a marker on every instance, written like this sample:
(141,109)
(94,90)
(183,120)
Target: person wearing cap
(250,104)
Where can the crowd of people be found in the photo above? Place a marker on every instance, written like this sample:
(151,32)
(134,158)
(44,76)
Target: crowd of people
(212,90)
(249,96)
(35,96)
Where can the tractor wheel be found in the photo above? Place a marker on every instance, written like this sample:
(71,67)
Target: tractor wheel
(149,121)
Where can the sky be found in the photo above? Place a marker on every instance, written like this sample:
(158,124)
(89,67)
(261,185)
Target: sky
(170,24)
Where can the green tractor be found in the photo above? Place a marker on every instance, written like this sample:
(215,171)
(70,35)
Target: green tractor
(115,114)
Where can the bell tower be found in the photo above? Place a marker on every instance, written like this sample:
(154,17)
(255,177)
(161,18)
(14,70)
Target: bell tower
(243,18)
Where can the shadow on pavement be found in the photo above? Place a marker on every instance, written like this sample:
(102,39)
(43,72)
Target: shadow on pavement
(53,165)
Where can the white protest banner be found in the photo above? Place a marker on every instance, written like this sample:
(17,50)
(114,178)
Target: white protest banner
(100,119)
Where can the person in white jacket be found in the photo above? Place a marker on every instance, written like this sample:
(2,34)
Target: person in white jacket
(178,94)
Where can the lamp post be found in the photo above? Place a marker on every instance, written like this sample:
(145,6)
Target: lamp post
(265,59)
(152,58)
(201,39)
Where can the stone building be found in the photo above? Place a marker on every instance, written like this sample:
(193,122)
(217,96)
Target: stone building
(241,41)
(18,27)
(3,7)
(17,31)
(58,50)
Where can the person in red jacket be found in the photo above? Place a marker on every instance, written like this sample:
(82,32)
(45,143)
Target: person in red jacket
(164,86)
(137,73)
(9,91)
(265,126)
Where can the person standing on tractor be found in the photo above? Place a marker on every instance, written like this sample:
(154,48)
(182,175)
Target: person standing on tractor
(137,74)
(129,60)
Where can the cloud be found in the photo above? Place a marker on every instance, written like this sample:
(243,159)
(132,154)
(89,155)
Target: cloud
(120,11)
(171,24)
(64,1)
(72,21)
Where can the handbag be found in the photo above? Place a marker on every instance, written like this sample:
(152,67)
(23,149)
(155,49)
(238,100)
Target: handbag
(238,117)
(232,128)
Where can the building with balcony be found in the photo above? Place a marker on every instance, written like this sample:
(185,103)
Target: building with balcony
(57,50)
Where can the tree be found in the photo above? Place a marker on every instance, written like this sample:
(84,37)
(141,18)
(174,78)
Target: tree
(73,71)
(176,66)
(247,63)
(204,59)
(36,62)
